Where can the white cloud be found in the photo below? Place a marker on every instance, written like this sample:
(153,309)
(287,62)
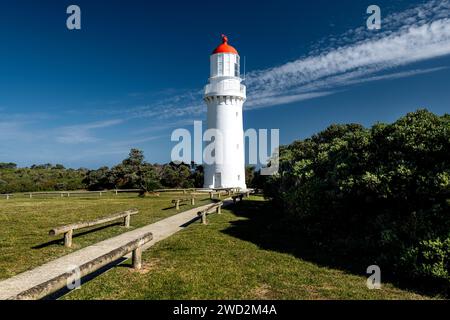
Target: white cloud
(82,133)
(353,63)
(357,56)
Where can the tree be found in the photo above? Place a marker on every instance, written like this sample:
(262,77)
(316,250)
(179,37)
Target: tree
(249,175)
(39,179)
(177,176)
(135,173)
(8,165)
(197,175)
(100,179)
(380,194)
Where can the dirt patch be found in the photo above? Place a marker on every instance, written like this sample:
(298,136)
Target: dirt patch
(263,291)
(149,265)
(149,194)
(313,292)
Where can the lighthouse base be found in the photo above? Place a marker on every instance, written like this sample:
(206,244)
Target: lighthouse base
(242,187)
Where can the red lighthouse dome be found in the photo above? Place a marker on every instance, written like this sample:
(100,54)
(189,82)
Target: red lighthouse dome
(225,47)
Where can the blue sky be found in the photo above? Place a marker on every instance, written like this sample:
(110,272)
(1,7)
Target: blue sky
(135,71)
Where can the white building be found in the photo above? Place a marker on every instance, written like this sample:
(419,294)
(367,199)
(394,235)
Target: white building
(225,96)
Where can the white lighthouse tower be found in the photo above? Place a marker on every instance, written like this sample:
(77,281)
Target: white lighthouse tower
(224,97)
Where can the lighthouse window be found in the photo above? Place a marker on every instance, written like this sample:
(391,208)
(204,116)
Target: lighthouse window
(227,64)
(236,67)
(239,177)
(220,65)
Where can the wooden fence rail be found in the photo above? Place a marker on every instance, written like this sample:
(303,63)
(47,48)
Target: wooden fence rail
(184,191)
(240,196)
(228,191)
(68,229)
(7,196)
(65,193)
(177,202)
(117,191)
(217,207)
(44,289)
(100,193)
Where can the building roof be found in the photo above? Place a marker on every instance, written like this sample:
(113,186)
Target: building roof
(225,47)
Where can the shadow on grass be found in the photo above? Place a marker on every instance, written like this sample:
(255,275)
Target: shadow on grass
(185,204)
(66,290)
(173,207)
(262,227)
(119,263)
(75,235)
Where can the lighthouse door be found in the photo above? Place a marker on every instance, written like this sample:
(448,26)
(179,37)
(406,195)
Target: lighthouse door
(218,180)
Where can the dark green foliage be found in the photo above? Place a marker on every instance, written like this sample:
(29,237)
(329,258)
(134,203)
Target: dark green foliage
(249,175)
(197,175)
(380,194)
(40,179)
(132,173)
(176,176)
(7,165)
(100,179)
(135,173)
(182,175)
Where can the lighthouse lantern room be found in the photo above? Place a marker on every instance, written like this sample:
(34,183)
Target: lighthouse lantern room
(224,96)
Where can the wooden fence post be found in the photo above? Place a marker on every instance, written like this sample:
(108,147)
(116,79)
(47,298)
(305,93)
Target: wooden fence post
(137,258)
(126,221)
(68,238)
(193,200)
(177,205)
(204,217)
(219,210)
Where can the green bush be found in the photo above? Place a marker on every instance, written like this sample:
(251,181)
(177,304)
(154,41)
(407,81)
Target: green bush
(132,173)
(430,259)
(379,194)
(40,179)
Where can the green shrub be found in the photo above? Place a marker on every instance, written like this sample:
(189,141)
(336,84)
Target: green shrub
(430,259)
(379,194)
(40,179)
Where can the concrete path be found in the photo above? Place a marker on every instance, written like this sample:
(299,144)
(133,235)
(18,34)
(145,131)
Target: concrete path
(161,230)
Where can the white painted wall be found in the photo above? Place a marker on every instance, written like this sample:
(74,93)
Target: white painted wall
(224,97)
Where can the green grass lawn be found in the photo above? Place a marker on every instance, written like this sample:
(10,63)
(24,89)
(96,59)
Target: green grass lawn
(223,261)
(24,224)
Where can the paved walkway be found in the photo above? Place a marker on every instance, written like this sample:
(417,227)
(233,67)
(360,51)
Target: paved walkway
(161,230)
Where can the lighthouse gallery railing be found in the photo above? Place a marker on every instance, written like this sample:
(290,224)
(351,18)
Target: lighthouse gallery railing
(225,88)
